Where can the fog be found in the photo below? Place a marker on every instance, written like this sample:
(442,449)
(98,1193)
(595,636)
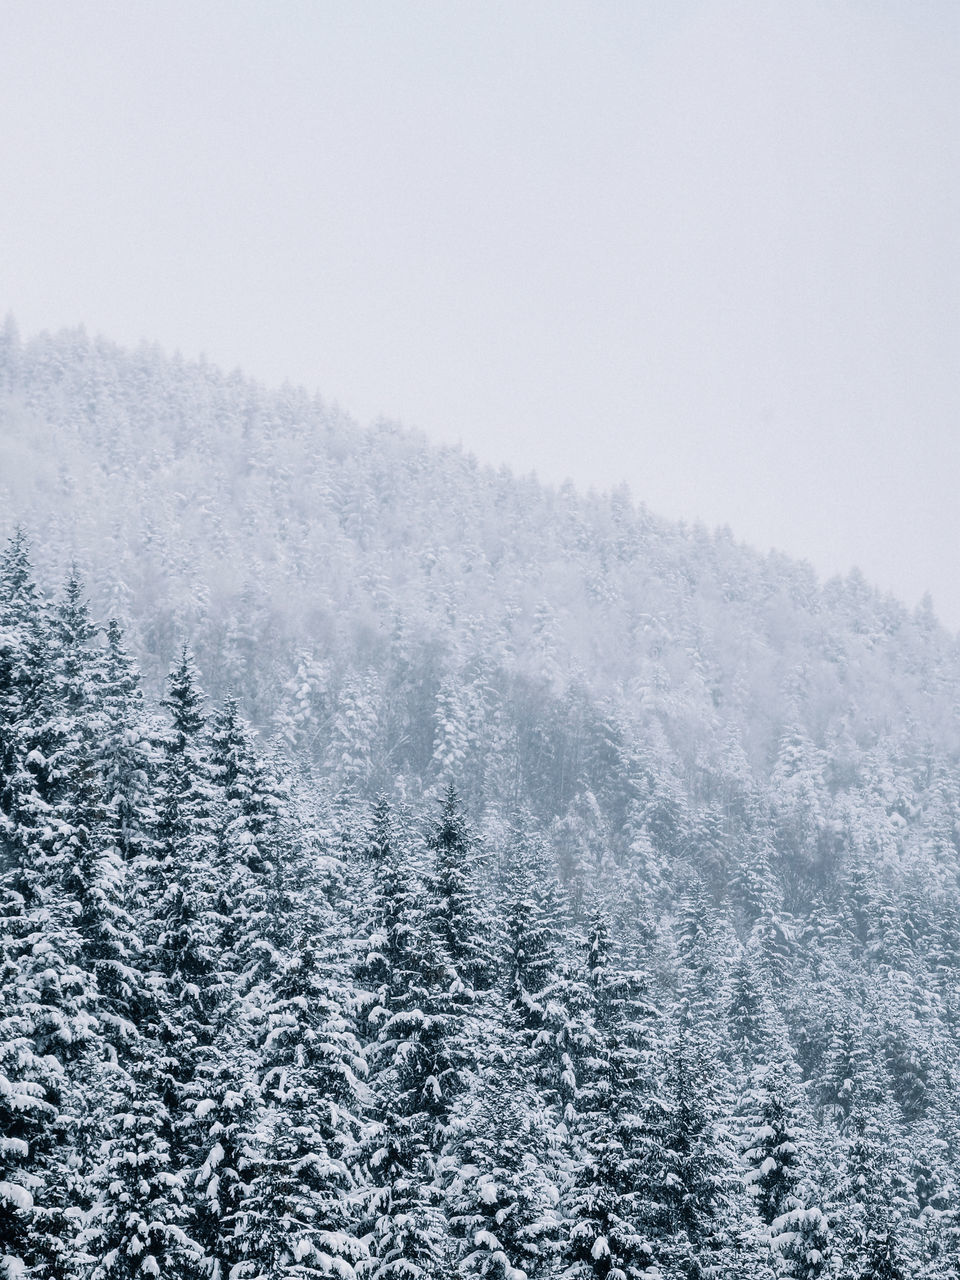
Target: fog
(708,250)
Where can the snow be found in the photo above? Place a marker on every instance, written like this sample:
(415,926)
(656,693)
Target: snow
(628,711)
(601,1249)
(16,1196)
(488,1191)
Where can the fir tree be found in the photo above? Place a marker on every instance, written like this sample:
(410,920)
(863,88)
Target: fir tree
(403,1008)
(454,908)
(138,1225)
(609,1217)
(293,1215)
(501,1196)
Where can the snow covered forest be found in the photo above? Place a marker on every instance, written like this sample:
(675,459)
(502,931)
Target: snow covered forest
(410,870)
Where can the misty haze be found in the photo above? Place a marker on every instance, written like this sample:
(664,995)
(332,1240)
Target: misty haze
(463,814)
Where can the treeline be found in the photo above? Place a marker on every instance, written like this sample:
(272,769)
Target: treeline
(392,607)
(251,1028)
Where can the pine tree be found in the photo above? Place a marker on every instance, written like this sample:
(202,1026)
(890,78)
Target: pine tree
(615,1162)
(293,1216)
(138,1225)
(501,1196)
(405,1020)
(455,917)
(772,1155)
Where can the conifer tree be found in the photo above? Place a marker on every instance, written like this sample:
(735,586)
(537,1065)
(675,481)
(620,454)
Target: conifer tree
(30,1089)
(849,1077)
(608,1212)
(502,1198)
(138,1227)
(692,1190)
(772,1156)
(882,1259)
(184,938)
(536,920)
(253,859)
(455,917)
(293,1215)
(188,924)
(802,1238)
(865,1193)
(748,1013)
(407,1031)
(127,758)
(49,999)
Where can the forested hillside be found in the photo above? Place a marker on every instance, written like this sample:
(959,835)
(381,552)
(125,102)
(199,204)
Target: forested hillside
(584,900)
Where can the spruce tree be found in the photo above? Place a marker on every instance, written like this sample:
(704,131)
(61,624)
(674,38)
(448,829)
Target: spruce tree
(691,1194)
(500,1167)
(454,911)
(293,1213)
(404,1016)
(802,1238)
(45,856)
(609,1229)
(772,1156)
(139,1223)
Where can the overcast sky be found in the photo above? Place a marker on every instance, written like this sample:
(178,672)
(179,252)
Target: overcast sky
(709,249)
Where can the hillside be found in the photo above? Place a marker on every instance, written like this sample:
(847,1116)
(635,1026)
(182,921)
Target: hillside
(312,563)
(665,875)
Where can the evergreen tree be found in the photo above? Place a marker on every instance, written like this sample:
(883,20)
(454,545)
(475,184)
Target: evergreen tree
(293,1216)
(188,926)
(455,917)
(882,1257)
(49,998)
(404,1014)
(849,1078)
(138,1225)
(691,1194)
(802,1238)
(772,1155)
(253,858)
(536,920)
(608,1212)
(502,1198)
(184,935)
(126,757)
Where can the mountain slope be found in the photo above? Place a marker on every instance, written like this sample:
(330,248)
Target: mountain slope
(647,963)
(280,536)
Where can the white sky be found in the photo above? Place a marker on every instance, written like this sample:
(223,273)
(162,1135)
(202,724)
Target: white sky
(709,249)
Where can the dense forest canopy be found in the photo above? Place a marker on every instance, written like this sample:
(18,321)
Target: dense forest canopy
(295,549)
(483,879)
